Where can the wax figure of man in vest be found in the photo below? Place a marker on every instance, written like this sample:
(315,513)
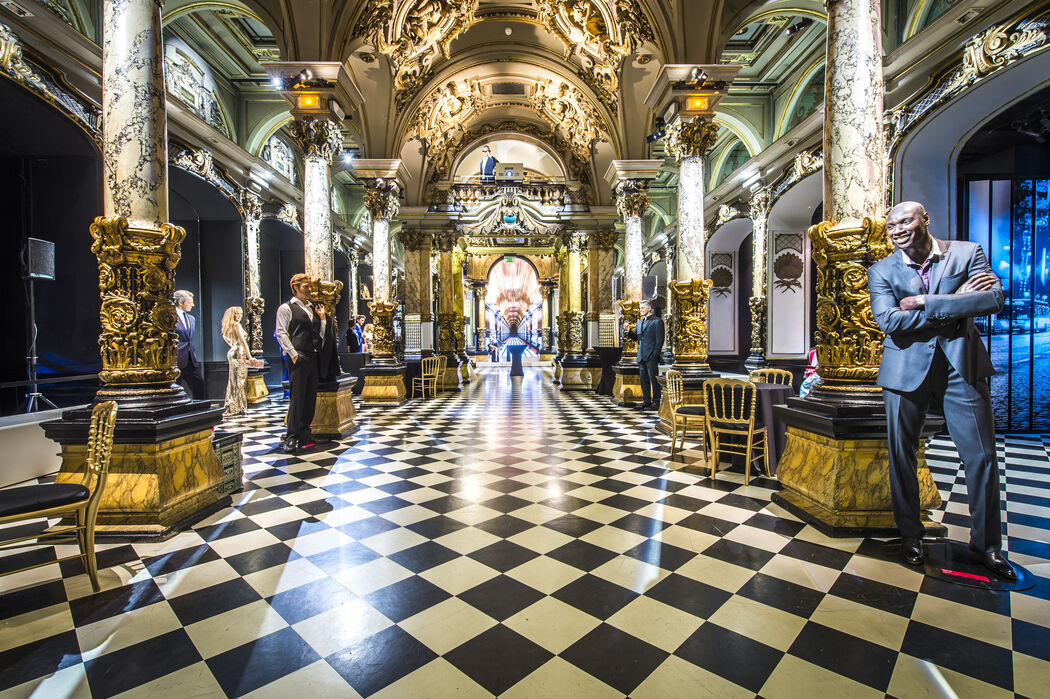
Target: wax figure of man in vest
(924,297)
(301,330)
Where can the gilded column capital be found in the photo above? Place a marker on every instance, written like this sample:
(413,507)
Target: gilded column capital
(251,205)
(382,199)
(573,241)
(354,256)
(318,138)
(604,239)
(691,138)
(632,198)
(561,256)
(416,239)
(758,206)
(445,240)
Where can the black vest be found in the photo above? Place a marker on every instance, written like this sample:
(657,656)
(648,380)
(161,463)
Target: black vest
(304,333)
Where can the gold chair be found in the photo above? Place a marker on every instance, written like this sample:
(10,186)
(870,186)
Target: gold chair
(731,407)
(79,500)
(778,376)
(681,413)
(442,366)
(428,377)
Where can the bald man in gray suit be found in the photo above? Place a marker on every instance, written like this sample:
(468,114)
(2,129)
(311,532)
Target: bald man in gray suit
(924,297)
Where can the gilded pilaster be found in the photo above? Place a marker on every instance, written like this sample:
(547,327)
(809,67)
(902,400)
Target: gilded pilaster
(447,318)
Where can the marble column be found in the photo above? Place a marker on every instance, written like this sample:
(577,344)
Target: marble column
(445,241)
(601,258)
(167,472)
(477,286)
(689,140)
(546,331)
(355,259)
(385,374)
(251,216)
(562,258)
(632,201)
(758,303)
(417,293)
(670,260)
(459,258)
(319,139)
(833,469)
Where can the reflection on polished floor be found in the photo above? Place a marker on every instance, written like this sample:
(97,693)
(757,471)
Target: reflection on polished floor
(519,541)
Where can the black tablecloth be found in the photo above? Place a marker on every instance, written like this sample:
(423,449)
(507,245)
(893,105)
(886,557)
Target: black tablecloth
(770,394)
(609,356)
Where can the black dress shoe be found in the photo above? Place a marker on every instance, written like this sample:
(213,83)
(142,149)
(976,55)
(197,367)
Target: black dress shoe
(995,562)
(911,551)
(291,445)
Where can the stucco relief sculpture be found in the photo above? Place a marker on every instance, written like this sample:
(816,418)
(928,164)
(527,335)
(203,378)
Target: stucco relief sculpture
(569,112)
(598,37)
(413,34)
(445,109)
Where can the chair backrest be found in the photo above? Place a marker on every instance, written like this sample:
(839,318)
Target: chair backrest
(99,448)
(779,376)
(674,387)
(729,400)
(431,365)
(442,362)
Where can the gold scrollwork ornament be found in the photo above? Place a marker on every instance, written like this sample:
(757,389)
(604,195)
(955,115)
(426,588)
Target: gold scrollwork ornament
(690,329)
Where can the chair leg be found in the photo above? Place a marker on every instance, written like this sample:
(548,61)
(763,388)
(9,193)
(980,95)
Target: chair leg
(714,455)
(674,434)
(87,547)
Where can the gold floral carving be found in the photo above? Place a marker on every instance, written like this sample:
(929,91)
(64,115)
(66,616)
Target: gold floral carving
(255,307)
(327,294)
(726,213)
(136,280)
(605,239)
(318,138)
(630,312)
(632,198)
(383,328)
(573,241)
(415,239)
(691,138)
(445,240)
(289,213)
(690,311)
(994,48)
(573,324)
(570,114)
(849,343)
(460,332)
(598,37)
(413,36)
(758,305)
(447,332)
(382,199)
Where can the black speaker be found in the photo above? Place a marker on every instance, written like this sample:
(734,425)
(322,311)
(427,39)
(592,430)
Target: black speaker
(40,258)
(649,287)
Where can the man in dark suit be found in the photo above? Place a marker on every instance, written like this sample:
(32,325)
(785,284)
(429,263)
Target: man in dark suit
(192,373)
(488,165)
(924,297)
(355,339)
(649,333)
(301,330)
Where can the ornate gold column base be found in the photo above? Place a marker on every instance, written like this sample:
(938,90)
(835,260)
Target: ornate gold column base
(255,389)
(578,378)
(627,388)
(334,411)
(451,380)
(384,390)
(152,489)
(842,485)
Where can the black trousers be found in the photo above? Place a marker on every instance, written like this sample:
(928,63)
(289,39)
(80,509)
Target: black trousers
(968,412)
(302,398)
(192,378)
(648,370)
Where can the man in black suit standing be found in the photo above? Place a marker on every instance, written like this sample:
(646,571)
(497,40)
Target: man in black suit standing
(924,297)
(488,165)
(649,333)
(355,339)
(192,373)
(301,329)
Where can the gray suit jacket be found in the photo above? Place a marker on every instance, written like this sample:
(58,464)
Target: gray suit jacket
(947,320)
(650,337)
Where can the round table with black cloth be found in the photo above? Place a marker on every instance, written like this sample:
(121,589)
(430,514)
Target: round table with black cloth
(768,395)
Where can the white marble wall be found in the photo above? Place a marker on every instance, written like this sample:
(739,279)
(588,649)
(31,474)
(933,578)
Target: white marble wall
(251,240)
(788,331)
(381,260)
(722,306)
(692,235)
(135,158)
(854,176)
(317,216)
(632,266)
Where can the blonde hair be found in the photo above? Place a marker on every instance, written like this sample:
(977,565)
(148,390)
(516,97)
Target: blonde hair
(367,328)
(229,325)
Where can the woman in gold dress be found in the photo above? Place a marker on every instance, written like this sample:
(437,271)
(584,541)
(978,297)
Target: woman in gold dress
(239,357)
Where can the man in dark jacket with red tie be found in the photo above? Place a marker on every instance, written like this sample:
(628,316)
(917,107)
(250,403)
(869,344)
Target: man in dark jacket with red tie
(649,333)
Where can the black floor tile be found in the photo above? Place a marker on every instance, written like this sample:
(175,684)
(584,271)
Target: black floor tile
(781,594)
(179,560)
(118,600)
(365,528)
(730,655)
(210,601)
(406,598)
(599,598)
(253,665)
(845,655)
(582,555)
(129,667)
(309,600)
(503,555)
(888,598)
(435,527)
(815,553)
(380,660)
(498,659)
(969,656)
(641,525)
(224,530)
(1031,639)
(616,658)
(706,524)
(657,553)
(105,558)
(341,558)
(572,525)
(689,595)
(423,556)
(261,558)
(29,599)
(505,526)
(501,597)
(738,554)
(38,659)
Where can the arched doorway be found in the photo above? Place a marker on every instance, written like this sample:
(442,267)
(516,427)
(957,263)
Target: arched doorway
(513,305)
(1004,186)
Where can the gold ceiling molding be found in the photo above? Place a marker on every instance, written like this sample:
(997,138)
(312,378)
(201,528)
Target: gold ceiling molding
(570,114)
(599,36)
(413,34)
(445,111)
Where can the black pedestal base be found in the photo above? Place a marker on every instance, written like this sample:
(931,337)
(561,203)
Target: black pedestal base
(952,562)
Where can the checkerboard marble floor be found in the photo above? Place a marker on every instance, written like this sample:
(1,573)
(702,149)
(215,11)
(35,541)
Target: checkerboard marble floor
(518,541)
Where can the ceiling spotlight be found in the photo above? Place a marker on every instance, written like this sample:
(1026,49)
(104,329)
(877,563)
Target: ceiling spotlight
(697,75)
(798,26)
(277,82)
